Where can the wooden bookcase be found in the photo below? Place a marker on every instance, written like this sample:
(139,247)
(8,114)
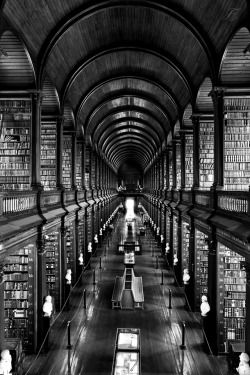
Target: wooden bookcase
(237,143)
(175,237)
(201,267)
(189,178)
(232,297)
(48,155)
(185,244)
(178,165)
(15,136)
(19,297)
(170,169)
(70,246)
(206,141)
(79,166)
(53,265)
(67,161)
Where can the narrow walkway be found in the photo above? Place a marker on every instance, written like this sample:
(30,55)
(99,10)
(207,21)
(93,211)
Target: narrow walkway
(93,329)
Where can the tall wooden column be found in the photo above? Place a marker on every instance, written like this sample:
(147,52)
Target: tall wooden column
(36,140)
(247,339)
(73,161)
(2,343)
(213,284)
(196,150)
(59,150)
(218,95)
(41,287)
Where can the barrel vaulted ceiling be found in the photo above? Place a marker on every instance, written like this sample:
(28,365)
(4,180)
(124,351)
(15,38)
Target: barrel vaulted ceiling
(124,72)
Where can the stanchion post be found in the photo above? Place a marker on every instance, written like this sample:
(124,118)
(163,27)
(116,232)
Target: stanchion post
(162,276)
(170,299)
(108,242)
(94,277)
(84,299)
(69,346)
(183,346)
(100,263)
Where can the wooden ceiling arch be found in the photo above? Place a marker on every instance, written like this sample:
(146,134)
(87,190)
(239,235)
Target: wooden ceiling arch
(118,64)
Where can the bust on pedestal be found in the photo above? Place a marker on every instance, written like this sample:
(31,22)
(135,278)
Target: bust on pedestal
(244,368)
(47,313)
(5,362)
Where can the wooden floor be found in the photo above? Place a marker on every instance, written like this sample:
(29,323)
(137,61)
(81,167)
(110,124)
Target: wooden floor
(93,329)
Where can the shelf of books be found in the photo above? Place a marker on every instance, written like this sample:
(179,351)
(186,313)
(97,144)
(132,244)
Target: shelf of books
(170,169)
(67,161)
(81,236)
(70,246)
(232,297)
(189,178)
(48,155)
(89,224)
(167,228)
(79,166)
(19,296)
(178,165)
(185,244)
(206,157)
(175,238)
(53,265)
(237,143)
(15,138)
(162,219)
(201,266)
(165,172)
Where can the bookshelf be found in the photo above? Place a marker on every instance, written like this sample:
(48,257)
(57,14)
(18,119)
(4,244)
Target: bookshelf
(165,172)
(206,141)
(19,296)
(189,179)
(79,166)
(201,266)
(185,244)
(53,265)
(178,165)
(167,227)
(170,169)
(67,161)
(15,138)
(232,297)
(236,143)
(70,245)
(175,237)
(48,155)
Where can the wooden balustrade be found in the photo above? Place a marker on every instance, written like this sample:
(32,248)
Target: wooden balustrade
(16,202)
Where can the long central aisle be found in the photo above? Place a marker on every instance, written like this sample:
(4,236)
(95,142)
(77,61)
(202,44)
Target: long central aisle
(93,330)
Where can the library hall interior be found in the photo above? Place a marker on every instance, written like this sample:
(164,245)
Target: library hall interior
(124,187)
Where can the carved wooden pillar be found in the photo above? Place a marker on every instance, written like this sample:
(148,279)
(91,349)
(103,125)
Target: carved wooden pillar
(213,283)
(36,140)
(73,161)
(59,150)
(2,343)
(196,150)
(247,330)
(183,167)
(41,287)
(218,95)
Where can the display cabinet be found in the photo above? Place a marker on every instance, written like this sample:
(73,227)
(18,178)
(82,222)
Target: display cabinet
(48,155)
(237,143)
(19,296)
(178,165)
(206,156)
(232,297)
(15,141)
(127,354)
(201,266)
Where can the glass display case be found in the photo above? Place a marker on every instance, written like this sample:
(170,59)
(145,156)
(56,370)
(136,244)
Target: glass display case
(127,356)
